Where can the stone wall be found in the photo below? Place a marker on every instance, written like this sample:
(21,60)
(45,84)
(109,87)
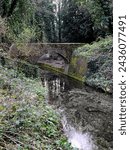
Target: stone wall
(78,67)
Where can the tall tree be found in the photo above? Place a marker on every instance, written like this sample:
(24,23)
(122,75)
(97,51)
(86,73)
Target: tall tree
(18,14)
(8,7)
(59,21)
(76,23)
(45,17)
(102,15)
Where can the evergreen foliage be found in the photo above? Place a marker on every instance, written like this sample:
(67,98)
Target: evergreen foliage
(58,21)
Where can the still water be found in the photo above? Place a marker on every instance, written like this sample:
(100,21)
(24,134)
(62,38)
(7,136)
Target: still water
(86,114)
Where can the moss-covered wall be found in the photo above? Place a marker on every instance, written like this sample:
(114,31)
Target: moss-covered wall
(94,63)
(78,67)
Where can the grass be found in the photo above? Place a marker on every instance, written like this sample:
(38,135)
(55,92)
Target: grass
(26,122)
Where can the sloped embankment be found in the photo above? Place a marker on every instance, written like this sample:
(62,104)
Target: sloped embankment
(94,62)
(26,122)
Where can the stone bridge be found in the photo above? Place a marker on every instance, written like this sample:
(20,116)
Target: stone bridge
(38,51)
(64,50)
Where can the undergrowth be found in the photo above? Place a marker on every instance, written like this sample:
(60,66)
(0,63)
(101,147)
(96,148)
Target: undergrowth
(87,50)
(99,68)
(26,122)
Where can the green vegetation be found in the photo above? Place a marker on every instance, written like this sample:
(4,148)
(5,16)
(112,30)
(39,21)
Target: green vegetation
(101,14)
(56,21)
(104,45)
(99,63)
(25,120)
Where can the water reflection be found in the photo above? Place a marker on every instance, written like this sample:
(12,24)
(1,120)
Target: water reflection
(86,114)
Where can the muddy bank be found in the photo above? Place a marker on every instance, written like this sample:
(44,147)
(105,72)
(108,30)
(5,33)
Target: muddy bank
(91,112)
(86,114)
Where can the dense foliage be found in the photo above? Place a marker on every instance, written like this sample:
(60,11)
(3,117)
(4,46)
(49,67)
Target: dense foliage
(76,23)
(56,21)
(26,122)
(99,63)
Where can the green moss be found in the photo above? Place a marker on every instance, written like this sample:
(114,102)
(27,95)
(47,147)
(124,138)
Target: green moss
(76,76)
(72,75)
(98,64)
(50,67)
(78,67)
(81,69)
(73,61)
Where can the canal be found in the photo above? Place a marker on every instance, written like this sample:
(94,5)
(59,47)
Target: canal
(86,114)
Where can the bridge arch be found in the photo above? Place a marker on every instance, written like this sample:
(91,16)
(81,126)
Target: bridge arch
(63,57)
